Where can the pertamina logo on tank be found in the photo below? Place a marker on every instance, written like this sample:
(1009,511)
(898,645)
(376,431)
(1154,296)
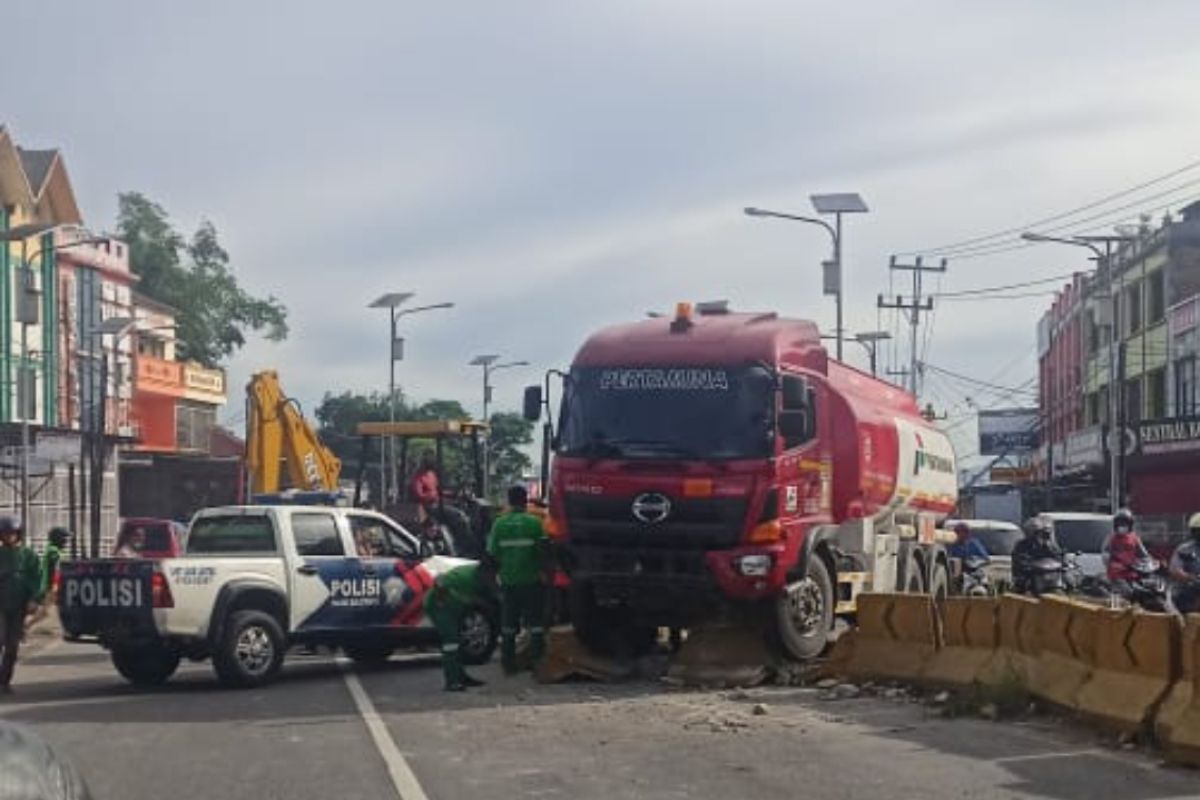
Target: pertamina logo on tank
(930,461)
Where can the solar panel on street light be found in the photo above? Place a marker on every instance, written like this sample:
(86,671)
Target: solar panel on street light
(390,300)
(842,203)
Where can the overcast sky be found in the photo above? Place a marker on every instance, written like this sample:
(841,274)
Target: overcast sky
(554,167)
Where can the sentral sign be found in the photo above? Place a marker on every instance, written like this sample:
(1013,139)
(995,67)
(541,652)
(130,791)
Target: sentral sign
(1160,436)
(1007,431)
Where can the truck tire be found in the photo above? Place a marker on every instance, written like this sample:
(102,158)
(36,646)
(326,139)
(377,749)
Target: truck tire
(804,612)
(369,654)
(478,635)
(145,665)
(251,649)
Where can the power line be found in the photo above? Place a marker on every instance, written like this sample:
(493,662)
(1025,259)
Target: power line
(978,298)
(973,381)
(943,249)
(990,289)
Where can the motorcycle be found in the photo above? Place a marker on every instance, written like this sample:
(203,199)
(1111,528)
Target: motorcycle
(1048,576)
(975,580)
(1148,589)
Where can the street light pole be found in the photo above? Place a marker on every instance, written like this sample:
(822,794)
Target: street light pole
(1116,346)
(489,365)
(836,204)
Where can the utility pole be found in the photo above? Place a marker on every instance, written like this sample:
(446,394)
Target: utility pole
(912,306)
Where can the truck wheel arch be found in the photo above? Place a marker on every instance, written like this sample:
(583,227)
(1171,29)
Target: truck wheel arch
(817,543)
(244,595)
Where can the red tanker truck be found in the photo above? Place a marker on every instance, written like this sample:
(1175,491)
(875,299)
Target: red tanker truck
(716,463)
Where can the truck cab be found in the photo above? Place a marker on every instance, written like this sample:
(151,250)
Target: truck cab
(716,462)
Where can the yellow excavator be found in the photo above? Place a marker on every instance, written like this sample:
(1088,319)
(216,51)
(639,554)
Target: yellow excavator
(278,434)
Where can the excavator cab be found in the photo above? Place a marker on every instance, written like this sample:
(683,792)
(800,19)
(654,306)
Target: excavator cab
(457,448)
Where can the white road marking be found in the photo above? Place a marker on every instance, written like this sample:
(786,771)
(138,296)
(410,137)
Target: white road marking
(405,782)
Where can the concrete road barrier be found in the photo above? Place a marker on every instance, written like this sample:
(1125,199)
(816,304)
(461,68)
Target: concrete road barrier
(970,635)
(1016,648)
(1135,664)
(1065,644)
(1177,722)
(897,635)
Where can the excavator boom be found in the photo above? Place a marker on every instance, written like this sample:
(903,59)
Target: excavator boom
(277,432)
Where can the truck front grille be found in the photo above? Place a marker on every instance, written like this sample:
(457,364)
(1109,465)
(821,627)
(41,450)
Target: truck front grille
(693,524)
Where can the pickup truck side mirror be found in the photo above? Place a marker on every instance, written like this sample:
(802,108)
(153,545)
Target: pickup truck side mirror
(532,407)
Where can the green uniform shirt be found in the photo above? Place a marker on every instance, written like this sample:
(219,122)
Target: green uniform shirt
(518,544)
(50,561)
(459,586)
(20,578)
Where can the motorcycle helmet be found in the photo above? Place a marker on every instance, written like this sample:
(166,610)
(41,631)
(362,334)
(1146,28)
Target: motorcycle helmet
(1123,521)
(59,537)
(1194,526)
(1040,528)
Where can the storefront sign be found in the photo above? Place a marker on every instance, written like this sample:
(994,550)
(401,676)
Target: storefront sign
(1179,435)
(1084,448)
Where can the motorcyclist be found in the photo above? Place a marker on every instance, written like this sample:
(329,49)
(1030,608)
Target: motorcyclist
(1185,570)
(1122,551)
(1038,544)
(967,547)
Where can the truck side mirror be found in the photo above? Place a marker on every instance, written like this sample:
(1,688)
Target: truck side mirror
(532,408)
(794,427)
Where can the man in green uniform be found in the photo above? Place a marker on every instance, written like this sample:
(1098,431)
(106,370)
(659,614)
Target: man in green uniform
(452,594)
(20,590)
(519,544)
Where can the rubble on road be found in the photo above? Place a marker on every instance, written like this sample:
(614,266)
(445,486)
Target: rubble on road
(722,656)
(566,657)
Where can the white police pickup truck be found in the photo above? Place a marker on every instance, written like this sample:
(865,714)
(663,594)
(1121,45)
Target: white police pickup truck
(256,580)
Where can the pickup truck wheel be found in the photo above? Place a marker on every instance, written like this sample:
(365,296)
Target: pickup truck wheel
(145,665)
(477,636)
(251,650)
(804,612)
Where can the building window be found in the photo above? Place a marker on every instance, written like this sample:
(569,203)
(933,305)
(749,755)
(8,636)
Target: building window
(193,425)
(1133,401)
(1093,408)
(1133,308)
(1102,416)
(1185,387)
(1156,394)
(1156,298)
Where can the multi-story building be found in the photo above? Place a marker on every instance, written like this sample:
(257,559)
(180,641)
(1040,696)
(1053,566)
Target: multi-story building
(1138,329)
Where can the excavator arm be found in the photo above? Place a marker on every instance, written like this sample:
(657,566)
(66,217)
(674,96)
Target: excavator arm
(277,432)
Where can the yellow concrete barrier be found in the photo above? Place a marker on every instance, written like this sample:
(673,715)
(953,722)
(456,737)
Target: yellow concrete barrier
(897,635)
(1177,723)
(1016,644)
(1135,663)
(970,635)
(1065,642)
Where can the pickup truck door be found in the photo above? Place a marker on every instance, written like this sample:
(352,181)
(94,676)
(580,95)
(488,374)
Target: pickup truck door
(330,590)
(392,556)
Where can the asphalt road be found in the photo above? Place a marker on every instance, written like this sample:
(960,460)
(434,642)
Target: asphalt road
(327,732)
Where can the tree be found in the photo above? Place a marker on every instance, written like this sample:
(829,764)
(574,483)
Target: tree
(214,312)
(339,415)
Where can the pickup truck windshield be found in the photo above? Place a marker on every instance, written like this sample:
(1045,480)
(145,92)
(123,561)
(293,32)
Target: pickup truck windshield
(711,412)
(232,533)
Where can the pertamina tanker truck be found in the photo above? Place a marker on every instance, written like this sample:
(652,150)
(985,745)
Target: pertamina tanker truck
(713,463)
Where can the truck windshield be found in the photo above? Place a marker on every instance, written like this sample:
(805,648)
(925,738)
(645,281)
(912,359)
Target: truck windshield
(230,534)
(714,412)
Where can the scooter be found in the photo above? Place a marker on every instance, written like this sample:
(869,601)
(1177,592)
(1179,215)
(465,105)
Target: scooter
(975,580)
(1148,590)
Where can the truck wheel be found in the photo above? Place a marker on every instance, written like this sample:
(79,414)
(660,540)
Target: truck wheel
(250,652)
(146,665)
(478,635)
(368,653)
(804,612)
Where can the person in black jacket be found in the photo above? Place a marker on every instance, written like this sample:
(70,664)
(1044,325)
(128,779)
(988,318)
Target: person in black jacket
(1038,544)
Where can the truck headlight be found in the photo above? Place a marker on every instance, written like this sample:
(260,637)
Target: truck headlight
(753,566)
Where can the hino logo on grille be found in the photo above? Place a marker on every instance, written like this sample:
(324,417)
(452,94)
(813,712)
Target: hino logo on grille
(651,507)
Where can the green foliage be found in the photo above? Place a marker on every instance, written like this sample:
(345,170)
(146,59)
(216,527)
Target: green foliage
(338,416)
(213,312)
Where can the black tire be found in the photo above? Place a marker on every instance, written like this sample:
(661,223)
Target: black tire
(478,635)
(251,650)
(145,665)
(369,654)
(804,613)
